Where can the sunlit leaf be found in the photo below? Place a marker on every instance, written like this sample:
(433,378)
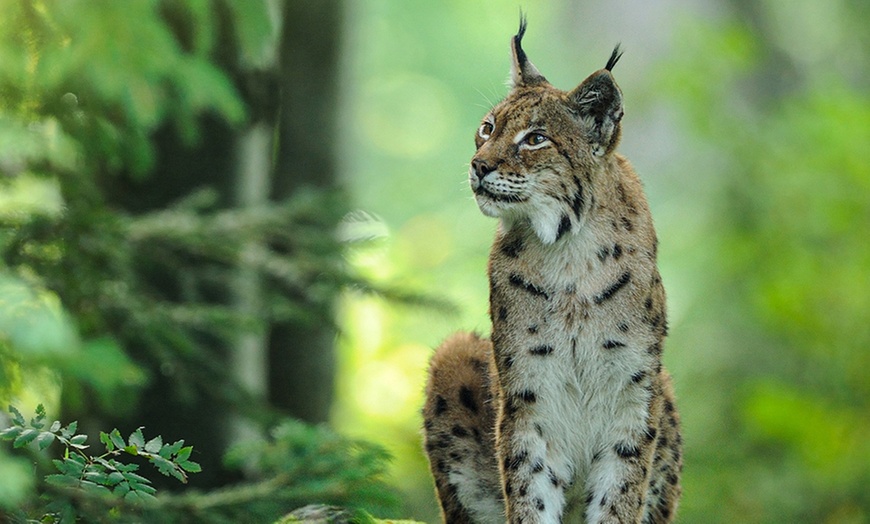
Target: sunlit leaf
(117,439)
(168,450)
(190,466)
(17,417)
(44,439)
(107,440)
(26,437)
(11,433)
(154,445)
(183,454)
(70,430)
(137,439)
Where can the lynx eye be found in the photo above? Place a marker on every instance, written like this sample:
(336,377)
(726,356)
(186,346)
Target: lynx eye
(485,130)
(534,139)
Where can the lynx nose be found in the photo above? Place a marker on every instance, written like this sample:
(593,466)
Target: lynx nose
(480,168)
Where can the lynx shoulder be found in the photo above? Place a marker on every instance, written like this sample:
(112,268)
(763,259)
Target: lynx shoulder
(565,413)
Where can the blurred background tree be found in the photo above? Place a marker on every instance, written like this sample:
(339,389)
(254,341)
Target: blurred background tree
(170,257)
(171,240)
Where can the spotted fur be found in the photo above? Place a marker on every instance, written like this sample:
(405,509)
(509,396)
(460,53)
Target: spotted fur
(565,414)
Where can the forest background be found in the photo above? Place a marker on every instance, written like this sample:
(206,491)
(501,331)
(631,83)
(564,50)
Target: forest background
(246,225)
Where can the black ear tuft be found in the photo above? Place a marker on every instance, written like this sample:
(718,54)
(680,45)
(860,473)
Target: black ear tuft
(518,41)
(614,57)
(523,72)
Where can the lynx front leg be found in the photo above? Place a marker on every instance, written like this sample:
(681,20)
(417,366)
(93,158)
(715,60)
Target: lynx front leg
(459,421)
(618,484)
(624,471)
(534,477)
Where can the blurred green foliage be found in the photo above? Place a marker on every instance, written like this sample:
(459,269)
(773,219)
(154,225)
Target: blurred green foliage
(787,264)
(80,95)
(110,73)
(86,317)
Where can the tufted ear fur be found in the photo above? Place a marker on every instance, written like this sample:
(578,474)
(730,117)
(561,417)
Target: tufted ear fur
(598,103)
(523,72)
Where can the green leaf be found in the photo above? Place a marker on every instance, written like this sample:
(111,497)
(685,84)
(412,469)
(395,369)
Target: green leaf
(179,474)
(78,441)
(97,477)
(11,433)
(55,426)
(17,418)
(70,430)
(168,468)
(110,465)
(63,481)
(133,477)
(183,454)
(154,445)
(107,440)
(163,466)
(26,437)
(171,449)
(78,459)
(137,439)
(60,465)
(117,439)
(126,468)
(44,439)
(114,478)
(190,466)
(133,450)
(94,489)
(121,489)
(37,422)
(145,488)
(139,497)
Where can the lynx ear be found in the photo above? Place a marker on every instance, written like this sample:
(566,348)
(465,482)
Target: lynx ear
(598,103)
(523,72)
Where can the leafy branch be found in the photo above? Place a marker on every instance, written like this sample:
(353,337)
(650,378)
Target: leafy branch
(103,474)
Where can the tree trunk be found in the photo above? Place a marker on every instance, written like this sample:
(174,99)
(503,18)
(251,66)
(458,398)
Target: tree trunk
(302,355)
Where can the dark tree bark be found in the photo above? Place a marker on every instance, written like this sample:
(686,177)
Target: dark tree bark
(301,354)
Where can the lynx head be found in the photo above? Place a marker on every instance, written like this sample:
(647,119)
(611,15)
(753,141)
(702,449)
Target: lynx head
(538,148)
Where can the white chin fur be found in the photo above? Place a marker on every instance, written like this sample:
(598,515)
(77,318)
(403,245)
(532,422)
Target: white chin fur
(545,222)
(487,206)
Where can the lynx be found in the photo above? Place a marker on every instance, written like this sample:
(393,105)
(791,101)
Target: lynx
(565,414)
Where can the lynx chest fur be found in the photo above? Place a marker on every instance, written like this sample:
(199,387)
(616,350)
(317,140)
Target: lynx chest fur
(566,414)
